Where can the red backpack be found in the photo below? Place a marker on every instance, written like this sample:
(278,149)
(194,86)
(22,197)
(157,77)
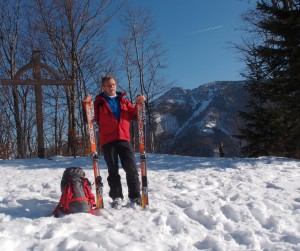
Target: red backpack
(76,196)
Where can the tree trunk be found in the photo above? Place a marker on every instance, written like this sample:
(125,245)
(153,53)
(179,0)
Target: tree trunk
(20,146)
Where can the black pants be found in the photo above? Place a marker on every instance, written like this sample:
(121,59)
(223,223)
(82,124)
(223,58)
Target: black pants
(123,150)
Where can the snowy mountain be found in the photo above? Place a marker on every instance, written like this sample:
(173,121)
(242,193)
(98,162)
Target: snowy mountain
(216,204)
(195,122)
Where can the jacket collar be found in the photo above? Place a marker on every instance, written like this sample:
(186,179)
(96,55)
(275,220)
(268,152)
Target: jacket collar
(120,94)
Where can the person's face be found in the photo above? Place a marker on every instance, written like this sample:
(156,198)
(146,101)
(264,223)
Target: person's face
(110,87)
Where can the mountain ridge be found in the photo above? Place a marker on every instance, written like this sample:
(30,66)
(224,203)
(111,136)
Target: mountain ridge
(196,121)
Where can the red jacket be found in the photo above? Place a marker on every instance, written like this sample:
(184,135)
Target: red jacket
(109,127)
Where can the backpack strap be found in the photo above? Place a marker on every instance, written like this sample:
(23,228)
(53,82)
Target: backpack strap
(64,201)
(89,195)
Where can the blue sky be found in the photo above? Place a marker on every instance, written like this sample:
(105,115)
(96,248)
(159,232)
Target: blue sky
(196,34)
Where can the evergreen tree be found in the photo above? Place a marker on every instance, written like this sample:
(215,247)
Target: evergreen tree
(273,65)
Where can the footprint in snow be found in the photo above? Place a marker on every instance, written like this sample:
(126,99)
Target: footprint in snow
(202,217)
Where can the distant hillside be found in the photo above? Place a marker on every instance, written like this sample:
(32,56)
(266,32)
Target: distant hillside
(195,122)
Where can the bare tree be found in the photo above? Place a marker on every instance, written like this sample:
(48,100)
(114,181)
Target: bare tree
(142,60)
(71,36)
(75,30)
(16,100)
(6,138)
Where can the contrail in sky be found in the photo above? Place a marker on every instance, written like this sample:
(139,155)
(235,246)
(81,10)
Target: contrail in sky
(209,29)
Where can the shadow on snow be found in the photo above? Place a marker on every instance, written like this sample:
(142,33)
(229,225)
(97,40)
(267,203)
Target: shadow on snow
(31,209)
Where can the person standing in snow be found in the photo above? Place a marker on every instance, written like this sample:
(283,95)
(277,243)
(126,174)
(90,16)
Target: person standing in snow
(113,114)
(221,151)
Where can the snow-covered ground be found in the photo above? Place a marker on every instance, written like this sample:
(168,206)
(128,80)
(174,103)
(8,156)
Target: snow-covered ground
(195,204)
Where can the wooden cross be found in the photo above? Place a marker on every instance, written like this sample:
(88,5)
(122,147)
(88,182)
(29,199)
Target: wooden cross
(37,81)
